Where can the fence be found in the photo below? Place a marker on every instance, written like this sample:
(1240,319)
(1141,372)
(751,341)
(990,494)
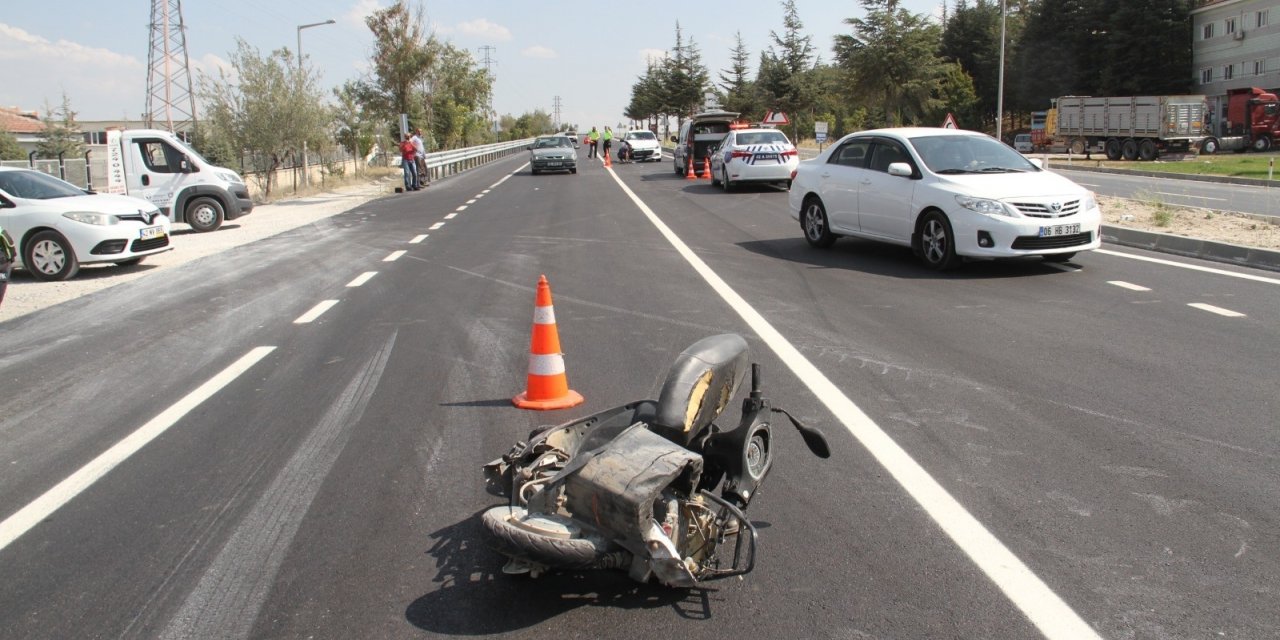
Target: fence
(321,168)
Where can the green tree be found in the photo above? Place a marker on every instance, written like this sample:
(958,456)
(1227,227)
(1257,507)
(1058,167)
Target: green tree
(971,38)
(791,86)
(685,77)
(738,90)
(9,147)
(355,125)
(891,58)
(401,62)
(61,135)
(270,108)
(1148,48)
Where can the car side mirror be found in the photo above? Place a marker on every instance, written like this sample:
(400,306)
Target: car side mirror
(185,165)
(1037,162)
(900,169)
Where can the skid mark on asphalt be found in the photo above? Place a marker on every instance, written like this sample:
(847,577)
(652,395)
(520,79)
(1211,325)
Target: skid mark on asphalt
(226,601)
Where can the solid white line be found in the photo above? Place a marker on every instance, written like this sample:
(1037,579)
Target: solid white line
(41,508)
(394,255)
(450,216)
(315,312)
(1049,613)
(418,239)
(435,226)
(1184,195)
(1127,285)
(362,278)
(1193,267)
(1218,310)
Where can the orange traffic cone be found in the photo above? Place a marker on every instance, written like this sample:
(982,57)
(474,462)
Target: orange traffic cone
(689,174)
(547,386)
(607,162)
(706,168)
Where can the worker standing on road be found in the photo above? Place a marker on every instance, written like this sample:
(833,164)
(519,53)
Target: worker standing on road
(409,163)
(608,140)
(593,139)
(420,157)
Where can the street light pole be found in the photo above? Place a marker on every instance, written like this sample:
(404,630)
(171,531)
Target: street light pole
(1000,89)
(306,179)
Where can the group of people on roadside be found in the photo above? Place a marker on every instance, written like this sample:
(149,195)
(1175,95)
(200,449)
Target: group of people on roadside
(413,160)
(593,140)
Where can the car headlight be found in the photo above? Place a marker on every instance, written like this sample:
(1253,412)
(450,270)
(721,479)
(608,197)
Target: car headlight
(1088,202)
(986,206)
(91,217)
(230,177)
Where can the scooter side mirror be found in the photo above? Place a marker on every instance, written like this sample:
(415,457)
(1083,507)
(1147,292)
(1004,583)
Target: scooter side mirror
(813,438)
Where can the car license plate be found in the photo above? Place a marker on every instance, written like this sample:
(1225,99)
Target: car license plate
(553,164)
(151,233)
(770,157)
(1059,230)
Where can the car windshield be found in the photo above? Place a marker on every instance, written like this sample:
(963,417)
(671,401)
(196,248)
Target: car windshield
(34,185)
(641,135)
(953,154)
(547,143)
(762,137)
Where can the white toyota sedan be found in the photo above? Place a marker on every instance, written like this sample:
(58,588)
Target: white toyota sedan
(58,226)
(945,193)
(753,155)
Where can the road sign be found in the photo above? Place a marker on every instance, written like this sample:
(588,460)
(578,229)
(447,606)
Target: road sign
(950,122)
(822,137)
(820,131)
(775,117)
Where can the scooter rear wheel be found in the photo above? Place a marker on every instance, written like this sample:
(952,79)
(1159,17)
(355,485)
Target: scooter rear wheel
(548,539)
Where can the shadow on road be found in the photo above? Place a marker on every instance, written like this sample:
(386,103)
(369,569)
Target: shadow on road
(474,597)
(890,260)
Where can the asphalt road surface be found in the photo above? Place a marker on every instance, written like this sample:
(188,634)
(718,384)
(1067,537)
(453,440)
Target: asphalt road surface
(1262,201)
(285,441)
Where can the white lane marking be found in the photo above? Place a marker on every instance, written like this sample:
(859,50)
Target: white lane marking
(1187,195)
(1069,268)
(362,278)
(1086,184)
(481,194)
(436,226)
(471,201)
(394,255)
(1128,285)
(486,191)
(1193,267)
(227,600)
(29,516)
(1218,310)
(450,216)
(1049,613)
(418,239)
(461,207)
(315,312)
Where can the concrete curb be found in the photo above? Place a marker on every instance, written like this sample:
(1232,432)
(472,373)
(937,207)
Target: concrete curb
(1193,248)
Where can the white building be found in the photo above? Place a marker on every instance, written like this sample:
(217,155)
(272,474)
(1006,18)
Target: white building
(1235,44)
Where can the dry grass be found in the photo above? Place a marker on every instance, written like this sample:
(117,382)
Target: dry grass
(1150,213)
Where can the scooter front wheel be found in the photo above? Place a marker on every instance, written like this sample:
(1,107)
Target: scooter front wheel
(549,539)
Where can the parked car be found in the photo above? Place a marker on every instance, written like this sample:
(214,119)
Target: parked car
(753,155)
(947,194)
(698,136)
(644,146)
(553,153)
(58,227)
(573,137)
(8,255)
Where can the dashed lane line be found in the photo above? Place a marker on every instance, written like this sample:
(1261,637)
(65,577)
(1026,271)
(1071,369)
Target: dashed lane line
(435,226)
(1128,285)
(315,312)
(451,216)
(1054,618)
(41,508)
(418,239)
(394,255)
(362,278)
(1218,310)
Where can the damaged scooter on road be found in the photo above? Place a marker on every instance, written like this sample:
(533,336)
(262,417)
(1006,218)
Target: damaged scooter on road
(634,487)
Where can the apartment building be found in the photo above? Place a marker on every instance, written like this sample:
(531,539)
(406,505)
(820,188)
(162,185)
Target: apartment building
(1234,44)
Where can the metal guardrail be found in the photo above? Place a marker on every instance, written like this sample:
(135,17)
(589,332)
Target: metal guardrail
(444,163)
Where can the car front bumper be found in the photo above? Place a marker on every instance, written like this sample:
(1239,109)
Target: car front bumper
(1016,237)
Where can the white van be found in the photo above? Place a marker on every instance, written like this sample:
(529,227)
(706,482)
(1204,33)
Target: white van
(1022,143)
(157,166)
(698,136)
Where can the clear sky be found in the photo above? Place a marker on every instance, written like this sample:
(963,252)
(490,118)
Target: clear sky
(587,53)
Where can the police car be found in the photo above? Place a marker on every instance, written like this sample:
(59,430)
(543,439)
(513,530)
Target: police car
(754,155)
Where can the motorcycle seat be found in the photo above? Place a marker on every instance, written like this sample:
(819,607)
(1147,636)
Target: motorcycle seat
(700,384)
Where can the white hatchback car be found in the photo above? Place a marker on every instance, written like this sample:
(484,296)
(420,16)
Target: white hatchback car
(945,193)
(58,227)
(753,155)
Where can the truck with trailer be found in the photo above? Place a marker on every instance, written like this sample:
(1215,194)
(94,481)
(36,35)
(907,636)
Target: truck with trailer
(1131,127)
(1253,122)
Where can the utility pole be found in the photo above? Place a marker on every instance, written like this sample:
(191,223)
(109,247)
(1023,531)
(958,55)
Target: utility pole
(488,62)
(556,109)
(170,101)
